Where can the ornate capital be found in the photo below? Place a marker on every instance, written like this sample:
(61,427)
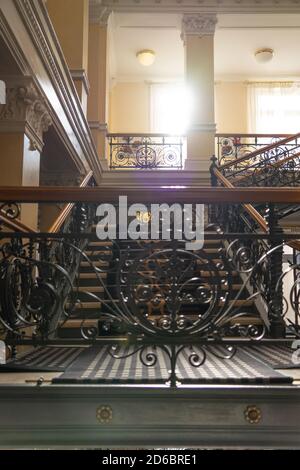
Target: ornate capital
(198,24)
(25,110)
(99,14)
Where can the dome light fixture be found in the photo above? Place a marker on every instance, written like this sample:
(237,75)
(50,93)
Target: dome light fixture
(265,55)
(146,57)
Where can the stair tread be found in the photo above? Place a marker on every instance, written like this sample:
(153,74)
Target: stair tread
(90,289)
(91,275)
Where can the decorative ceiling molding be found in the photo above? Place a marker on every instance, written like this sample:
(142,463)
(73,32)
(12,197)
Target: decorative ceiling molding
(198,24)
(203,6)
(99,13)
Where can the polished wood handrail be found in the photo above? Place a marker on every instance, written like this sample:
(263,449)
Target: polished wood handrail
(56,226)
(16,224)
(259,151)
(249,208)
(150,194)
(295,244)
(271,165)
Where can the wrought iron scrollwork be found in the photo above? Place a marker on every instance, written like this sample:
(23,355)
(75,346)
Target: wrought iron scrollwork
(146,152)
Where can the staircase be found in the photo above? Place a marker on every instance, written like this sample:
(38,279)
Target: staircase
(275,165)
(97,286)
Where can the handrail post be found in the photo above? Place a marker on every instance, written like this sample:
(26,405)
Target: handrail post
(214,183)
(213,166)
(275,288)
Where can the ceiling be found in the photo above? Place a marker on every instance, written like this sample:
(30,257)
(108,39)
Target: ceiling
(236,39)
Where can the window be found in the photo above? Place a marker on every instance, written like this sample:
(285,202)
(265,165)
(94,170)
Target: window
(274,108)
(170,107)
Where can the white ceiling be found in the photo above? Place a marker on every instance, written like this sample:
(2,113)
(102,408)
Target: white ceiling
(237,38)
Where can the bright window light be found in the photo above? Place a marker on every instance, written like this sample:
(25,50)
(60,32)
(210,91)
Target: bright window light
(171,106)
(274,109)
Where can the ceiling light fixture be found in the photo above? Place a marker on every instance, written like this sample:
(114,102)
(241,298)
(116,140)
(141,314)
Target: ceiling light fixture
(146,57)
(263,56)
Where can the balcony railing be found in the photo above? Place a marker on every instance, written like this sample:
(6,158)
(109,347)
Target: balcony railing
(146,151)
(231,147)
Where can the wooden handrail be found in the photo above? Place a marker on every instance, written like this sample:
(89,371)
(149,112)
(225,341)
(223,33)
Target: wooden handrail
(15,224)
(249,208)
(259,151)
(56,226)
(271,165)
(295,244)
(150,194)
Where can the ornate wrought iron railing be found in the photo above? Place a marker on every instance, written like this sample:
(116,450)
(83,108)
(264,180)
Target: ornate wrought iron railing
(273,165)
(146,151)
(149,294)
(231,147)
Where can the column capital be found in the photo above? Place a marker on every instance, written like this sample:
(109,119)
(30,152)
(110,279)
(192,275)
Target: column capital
(99,14)
(198,24)
(25,110)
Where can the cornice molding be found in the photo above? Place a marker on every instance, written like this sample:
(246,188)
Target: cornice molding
(198,24)
(203,6)
(25,110)
(99,13)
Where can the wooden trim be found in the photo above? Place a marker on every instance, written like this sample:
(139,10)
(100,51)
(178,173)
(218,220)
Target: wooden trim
(150,194)
(16,225)
(55,227)
(259,151)
(271,165)
(249,208)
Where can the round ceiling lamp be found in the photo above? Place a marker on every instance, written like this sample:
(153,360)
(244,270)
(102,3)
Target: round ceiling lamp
(146,57)
(264,56)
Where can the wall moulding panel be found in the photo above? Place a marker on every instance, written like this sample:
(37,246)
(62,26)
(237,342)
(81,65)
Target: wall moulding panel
(34,41)
(226,6)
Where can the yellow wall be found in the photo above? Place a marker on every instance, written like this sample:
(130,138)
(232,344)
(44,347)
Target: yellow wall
(70,19)
(231,107)
(130,107)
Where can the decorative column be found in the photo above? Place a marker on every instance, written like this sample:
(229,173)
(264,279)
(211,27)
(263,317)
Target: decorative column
(70,19)
(99,78)
(23,120)
(198,36)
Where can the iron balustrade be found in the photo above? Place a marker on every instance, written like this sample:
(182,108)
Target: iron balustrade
(146,151)
(231,147)
(149,293)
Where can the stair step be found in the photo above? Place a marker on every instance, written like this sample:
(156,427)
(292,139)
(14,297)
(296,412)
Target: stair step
(86,264)
(91,289)
(219,273)
(87,305)
(97,252)
(100,243)
(78,323)
(91,275)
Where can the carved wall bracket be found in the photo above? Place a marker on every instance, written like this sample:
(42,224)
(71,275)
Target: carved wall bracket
(25,110)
